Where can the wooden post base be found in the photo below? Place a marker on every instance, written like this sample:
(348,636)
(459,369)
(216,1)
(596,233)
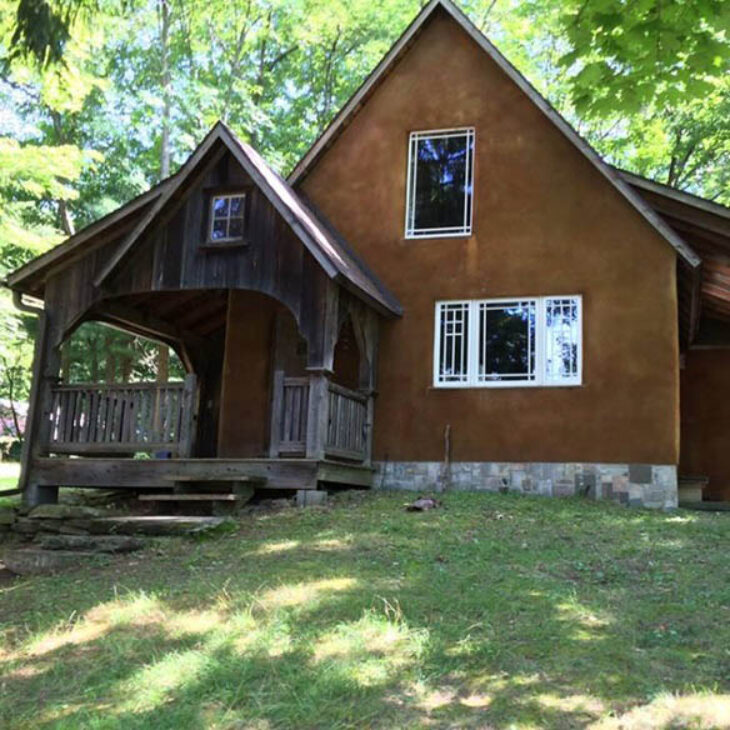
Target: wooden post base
(311,497)
(36,494)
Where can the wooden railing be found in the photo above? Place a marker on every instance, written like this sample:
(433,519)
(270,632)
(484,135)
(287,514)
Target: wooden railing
(291,404)
(114,418)
(314,417)
(347,423)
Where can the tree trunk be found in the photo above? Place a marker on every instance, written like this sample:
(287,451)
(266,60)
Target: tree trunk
(94,360)
(65,361)
(165,84)
(65,218)
(111,364)
(163,363)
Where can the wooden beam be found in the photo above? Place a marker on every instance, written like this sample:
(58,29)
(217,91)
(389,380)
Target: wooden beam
(145,323)
(46,367)
(160,473)
(276,412)
(42,264)
(317,415)
(201,309)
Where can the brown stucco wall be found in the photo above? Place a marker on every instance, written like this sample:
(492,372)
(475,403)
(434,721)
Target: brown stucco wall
(244,418)
(545,222)
(705,393)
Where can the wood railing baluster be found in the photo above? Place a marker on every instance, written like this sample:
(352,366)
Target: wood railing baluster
(107,418)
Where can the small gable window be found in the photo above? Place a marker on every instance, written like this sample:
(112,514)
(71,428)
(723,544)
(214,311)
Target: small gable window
(497,343)
(227,213)
(440,183)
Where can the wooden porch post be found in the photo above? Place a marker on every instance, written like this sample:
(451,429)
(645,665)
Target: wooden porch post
(189,417)
(368,436)
(366,327)
(317,415)
(46,367)
(275,415)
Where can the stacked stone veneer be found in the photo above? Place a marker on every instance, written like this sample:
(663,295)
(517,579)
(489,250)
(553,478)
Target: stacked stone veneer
(640,485)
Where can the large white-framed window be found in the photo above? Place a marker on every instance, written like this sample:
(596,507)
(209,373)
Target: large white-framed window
(508,342)
(440,184)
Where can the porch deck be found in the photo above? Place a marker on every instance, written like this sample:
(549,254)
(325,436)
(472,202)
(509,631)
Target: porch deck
(164,473)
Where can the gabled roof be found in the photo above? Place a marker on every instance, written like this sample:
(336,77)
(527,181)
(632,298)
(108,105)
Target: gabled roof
(329,249)
(401,46)
(681,196)
(74,245)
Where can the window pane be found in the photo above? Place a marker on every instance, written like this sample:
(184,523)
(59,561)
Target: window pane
(237,207)
(235,228)
(507,341)
(220,207)
(441,182)
(561,338)
(453,348)
(219,229)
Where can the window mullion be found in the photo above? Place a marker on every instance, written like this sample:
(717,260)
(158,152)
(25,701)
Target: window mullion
(540,335)
(411,184)
(466,180)
(473,343)
(579,343)
(437,345)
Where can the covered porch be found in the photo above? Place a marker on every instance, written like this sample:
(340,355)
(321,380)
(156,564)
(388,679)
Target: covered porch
(250,409)
(277,332)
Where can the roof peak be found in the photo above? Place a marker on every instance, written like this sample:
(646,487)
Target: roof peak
(401,46)
(335,259)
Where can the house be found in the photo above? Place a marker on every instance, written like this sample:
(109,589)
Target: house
(451,290)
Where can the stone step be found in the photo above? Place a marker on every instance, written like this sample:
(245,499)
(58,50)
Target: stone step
(94,543)
(243,479)
(154,526)
(64,511)
(201,497)
(34,561)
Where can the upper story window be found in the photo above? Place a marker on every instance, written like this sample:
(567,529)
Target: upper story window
(440,183)
(227,214)
(508,342)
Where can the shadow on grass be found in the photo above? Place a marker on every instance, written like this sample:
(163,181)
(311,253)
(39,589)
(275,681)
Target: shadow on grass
(493,612)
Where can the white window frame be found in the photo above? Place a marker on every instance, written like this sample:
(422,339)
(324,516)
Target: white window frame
(227,218)
(541,377)
(411,231)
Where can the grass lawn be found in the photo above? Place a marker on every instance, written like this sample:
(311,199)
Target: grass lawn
(9,473)
(498,611)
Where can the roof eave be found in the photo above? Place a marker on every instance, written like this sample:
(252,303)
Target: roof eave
(39,265)
(681,196)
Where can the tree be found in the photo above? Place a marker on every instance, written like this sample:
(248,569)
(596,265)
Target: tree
(629,55)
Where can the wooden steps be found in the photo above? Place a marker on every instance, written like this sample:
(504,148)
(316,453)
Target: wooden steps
(204,497)
(233,478)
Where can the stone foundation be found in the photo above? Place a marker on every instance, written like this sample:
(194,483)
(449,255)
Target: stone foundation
(636,485)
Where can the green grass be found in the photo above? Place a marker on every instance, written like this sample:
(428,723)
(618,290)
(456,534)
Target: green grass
(9,473)
(497,611)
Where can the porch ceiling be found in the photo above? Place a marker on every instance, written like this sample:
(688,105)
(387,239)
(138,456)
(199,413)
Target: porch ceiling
(179,314)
